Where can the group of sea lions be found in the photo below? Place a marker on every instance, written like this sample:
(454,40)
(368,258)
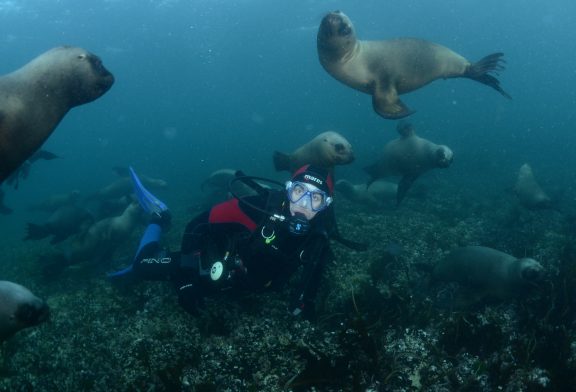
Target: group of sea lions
(386,69)
(35,98)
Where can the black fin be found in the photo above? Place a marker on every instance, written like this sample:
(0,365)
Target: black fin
(281,161)
(403,186)
(480,71)
(390,110)
(36,232)
(43,154)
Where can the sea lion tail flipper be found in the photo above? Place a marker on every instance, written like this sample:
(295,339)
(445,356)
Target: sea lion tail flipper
(36,232)
(281,161)
(480,71)
(403,186)
(387,104)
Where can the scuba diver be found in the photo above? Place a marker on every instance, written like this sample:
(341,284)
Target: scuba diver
(246,244)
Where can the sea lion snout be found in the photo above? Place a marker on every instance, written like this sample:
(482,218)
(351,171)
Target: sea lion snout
(344,153)
(444,156)
(532,271)
(107,78)
(32,313)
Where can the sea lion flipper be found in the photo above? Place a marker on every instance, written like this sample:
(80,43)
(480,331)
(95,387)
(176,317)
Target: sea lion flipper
(403,186)
(481,71)
(281,161)
(387,104)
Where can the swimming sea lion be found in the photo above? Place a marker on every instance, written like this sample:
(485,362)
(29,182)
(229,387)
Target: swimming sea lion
(409,156)
(488,272)
(386,69)
(19,309)
(62,223)
(34,98)
(529,192)
(218,180)
(373,196)
(56,201)
(105,236)
(326,150)
(124,186)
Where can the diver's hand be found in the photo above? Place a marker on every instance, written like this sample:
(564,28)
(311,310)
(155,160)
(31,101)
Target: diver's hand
(302,308)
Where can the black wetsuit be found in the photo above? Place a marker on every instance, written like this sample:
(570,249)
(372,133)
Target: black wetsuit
(257,251)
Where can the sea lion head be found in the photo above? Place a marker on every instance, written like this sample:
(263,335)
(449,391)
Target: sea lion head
(530,270)
(32,313)
(87,77)
(340,150)
(19,309)
(336,33)
(444,157)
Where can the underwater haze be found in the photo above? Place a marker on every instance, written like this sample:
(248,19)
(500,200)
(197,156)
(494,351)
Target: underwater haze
(208,84)
(202,85)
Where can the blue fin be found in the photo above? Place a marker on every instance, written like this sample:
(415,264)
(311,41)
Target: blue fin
(150,203)
(122,272)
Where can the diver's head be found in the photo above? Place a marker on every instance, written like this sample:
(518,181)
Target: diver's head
(310,191)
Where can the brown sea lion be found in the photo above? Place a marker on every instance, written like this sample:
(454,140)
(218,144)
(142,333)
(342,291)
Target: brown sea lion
(374,196)
(488,272)
(387,69)
(105,236)
(56,201)
(124,186)
(529,192)
(409,156)
(19,309)
(34,98)
(326,150)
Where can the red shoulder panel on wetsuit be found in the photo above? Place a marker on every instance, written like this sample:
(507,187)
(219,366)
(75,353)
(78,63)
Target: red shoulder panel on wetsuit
(230,212)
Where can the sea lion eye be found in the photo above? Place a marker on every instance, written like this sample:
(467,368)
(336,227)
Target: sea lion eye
(339,147)
(81,56)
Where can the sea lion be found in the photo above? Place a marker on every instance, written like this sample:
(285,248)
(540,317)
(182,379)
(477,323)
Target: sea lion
(375,195)
(386,69)
(326,150)
(529,192)
(56,201)
(19,309)
(487,272)
(62,223)
(218,180)
(105,236)
(34,98)
(409,156)
(124,186)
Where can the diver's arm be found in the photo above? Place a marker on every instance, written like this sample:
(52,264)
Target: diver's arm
(304,297)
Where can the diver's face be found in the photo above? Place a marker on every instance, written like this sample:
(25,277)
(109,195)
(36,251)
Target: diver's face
(306,199)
